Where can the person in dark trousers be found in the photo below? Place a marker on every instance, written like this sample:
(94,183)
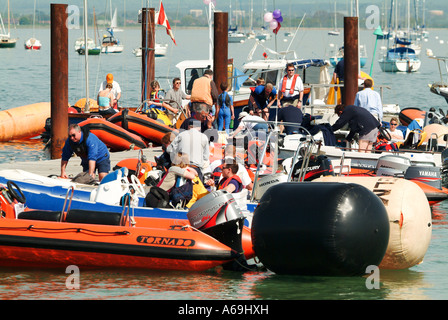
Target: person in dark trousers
(360,121)
(291,114)
(92,151)
(338,74)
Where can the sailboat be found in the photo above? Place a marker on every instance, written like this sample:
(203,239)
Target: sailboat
(5,37)
(334,32)
(33,43)
(402,56)
(92,47)
(110,43)
(234,36)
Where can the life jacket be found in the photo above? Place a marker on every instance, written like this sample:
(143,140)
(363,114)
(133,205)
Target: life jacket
(293,84)
(225,182)
(199,191)
(80,149)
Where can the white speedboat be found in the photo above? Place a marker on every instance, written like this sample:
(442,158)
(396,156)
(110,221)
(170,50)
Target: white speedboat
(160,50)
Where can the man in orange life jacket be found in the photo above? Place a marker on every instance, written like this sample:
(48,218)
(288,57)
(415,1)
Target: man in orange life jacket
(290,88)
(230,181)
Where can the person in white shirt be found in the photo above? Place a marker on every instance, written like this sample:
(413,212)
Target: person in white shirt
(370,100)
(290,88)
(250,123)
(193,143)
(395,134)
(116,90)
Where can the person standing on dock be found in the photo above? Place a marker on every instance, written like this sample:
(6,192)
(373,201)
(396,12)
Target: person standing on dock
(204,90)
(338,74)
(224,109)
(105,99)
(116,89)
(92,151)
(370,100)
(291,88)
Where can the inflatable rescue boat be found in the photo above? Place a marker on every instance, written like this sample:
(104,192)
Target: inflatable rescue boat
(99,239)
(141,124)
(115,137)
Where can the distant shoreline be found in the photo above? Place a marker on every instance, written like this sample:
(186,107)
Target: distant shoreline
(201,27)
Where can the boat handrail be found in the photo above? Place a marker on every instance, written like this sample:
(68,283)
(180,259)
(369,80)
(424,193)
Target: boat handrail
(71,191)
(272,133)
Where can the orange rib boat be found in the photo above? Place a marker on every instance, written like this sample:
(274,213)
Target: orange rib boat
(95,239)
(115,137)
(142,125)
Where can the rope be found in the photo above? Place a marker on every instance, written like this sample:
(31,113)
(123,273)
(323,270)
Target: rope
(77,230)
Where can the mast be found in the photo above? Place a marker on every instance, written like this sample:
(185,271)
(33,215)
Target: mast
(8,20)
(86,58)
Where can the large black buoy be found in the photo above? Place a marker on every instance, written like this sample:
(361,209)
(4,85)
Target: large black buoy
(320,228)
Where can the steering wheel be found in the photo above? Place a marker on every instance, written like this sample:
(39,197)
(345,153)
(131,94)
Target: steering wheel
(15,192)
(385,134)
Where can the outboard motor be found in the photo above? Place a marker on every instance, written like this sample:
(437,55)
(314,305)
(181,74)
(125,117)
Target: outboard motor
(266,181)
(426,174)
(392,166)
(317,166)
(217,215)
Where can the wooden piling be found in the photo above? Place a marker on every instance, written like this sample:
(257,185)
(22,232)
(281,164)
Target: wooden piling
(220,50)
(59,79)
(148,51)
(351,59)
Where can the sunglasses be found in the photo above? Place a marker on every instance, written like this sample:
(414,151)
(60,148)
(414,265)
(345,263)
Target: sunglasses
(73,135)
(394,124)
(290,70)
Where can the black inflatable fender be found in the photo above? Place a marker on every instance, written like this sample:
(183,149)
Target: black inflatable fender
(320,228)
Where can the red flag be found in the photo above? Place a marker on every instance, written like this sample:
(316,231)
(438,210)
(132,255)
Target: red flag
(163,21)
(278,28)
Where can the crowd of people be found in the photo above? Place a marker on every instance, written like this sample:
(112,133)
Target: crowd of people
(186,155)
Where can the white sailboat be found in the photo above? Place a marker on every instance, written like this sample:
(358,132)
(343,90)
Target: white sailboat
(110,43)
(5,36)
(234,36)
(335,31)
(402,56)
(33,43)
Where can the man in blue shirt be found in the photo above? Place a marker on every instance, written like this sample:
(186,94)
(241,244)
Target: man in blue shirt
(262,98)
(92,151)
(370,100)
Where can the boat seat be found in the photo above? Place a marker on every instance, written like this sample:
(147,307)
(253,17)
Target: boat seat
(93,217)
(42,215)
(74,216)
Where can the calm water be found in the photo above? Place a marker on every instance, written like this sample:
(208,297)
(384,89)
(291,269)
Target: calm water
(26,80)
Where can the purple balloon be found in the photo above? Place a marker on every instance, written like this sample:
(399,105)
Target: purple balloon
(276,14)
(279,19)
